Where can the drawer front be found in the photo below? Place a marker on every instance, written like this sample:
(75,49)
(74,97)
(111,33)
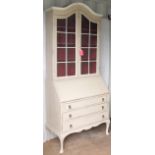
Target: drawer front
(84,121)
(85,111)
(82,103)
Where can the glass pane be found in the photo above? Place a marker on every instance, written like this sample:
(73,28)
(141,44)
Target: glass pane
(85,25)
(61,24)
(93,54)
(71,40)
(85,39)
(71,24)
(61,67)
(61,40)
(71,69)
(71,54)
(84,67)
(93,28)
(93,41)
(92,67)
(60,54)
(85,56)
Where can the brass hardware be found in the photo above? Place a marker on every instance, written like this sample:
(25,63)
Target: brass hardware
(102,99)
(102,107)
(70,115)
(69,107)
(70,125)
(102,116)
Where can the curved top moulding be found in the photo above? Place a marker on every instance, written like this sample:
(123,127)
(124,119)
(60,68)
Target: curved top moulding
(65,11)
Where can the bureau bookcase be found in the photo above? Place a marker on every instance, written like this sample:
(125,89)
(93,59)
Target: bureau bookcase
(77,98)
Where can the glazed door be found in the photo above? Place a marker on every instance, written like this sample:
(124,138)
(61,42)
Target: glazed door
(66,46)
(77,46)
(88,60)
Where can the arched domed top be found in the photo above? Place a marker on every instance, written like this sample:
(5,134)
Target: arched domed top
(80,7)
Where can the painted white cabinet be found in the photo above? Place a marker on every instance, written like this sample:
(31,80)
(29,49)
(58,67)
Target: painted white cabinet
(76,96)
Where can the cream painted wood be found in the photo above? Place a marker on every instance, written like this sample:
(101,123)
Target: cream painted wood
(84,120)
(84,111)
(73,8)
(82,103)
(62,13)
(84,99)
(81,85)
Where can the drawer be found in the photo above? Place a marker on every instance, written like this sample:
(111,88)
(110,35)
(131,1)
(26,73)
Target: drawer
(82,103)
(85,111)
(84,121)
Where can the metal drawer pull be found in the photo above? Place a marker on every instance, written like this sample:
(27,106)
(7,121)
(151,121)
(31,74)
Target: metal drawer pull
(70,125)
(70,115)
(102,116)
(69,107)
(102,107)
(102,99)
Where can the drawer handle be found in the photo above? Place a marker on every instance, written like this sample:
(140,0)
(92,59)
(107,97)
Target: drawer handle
(70,115)
(102,107)
(70,125)
(102,116)
(102,99)
(70,107)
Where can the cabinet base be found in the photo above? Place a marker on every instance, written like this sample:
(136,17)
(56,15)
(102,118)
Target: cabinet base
(62,138)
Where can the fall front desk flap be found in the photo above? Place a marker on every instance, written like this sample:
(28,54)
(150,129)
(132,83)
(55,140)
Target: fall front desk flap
(71,89)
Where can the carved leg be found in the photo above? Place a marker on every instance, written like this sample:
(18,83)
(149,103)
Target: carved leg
(61,144)
(107,127)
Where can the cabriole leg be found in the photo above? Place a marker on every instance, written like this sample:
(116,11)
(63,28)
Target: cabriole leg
(61,144)
(107,127)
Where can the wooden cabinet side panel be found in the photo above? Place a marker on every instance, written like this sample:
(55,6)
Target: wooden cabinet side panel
(53,120)
(53,114)
(49,44)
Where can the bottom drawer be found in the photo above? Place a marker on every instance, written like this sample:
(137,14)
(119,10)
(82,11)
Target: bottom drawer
(83,121)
